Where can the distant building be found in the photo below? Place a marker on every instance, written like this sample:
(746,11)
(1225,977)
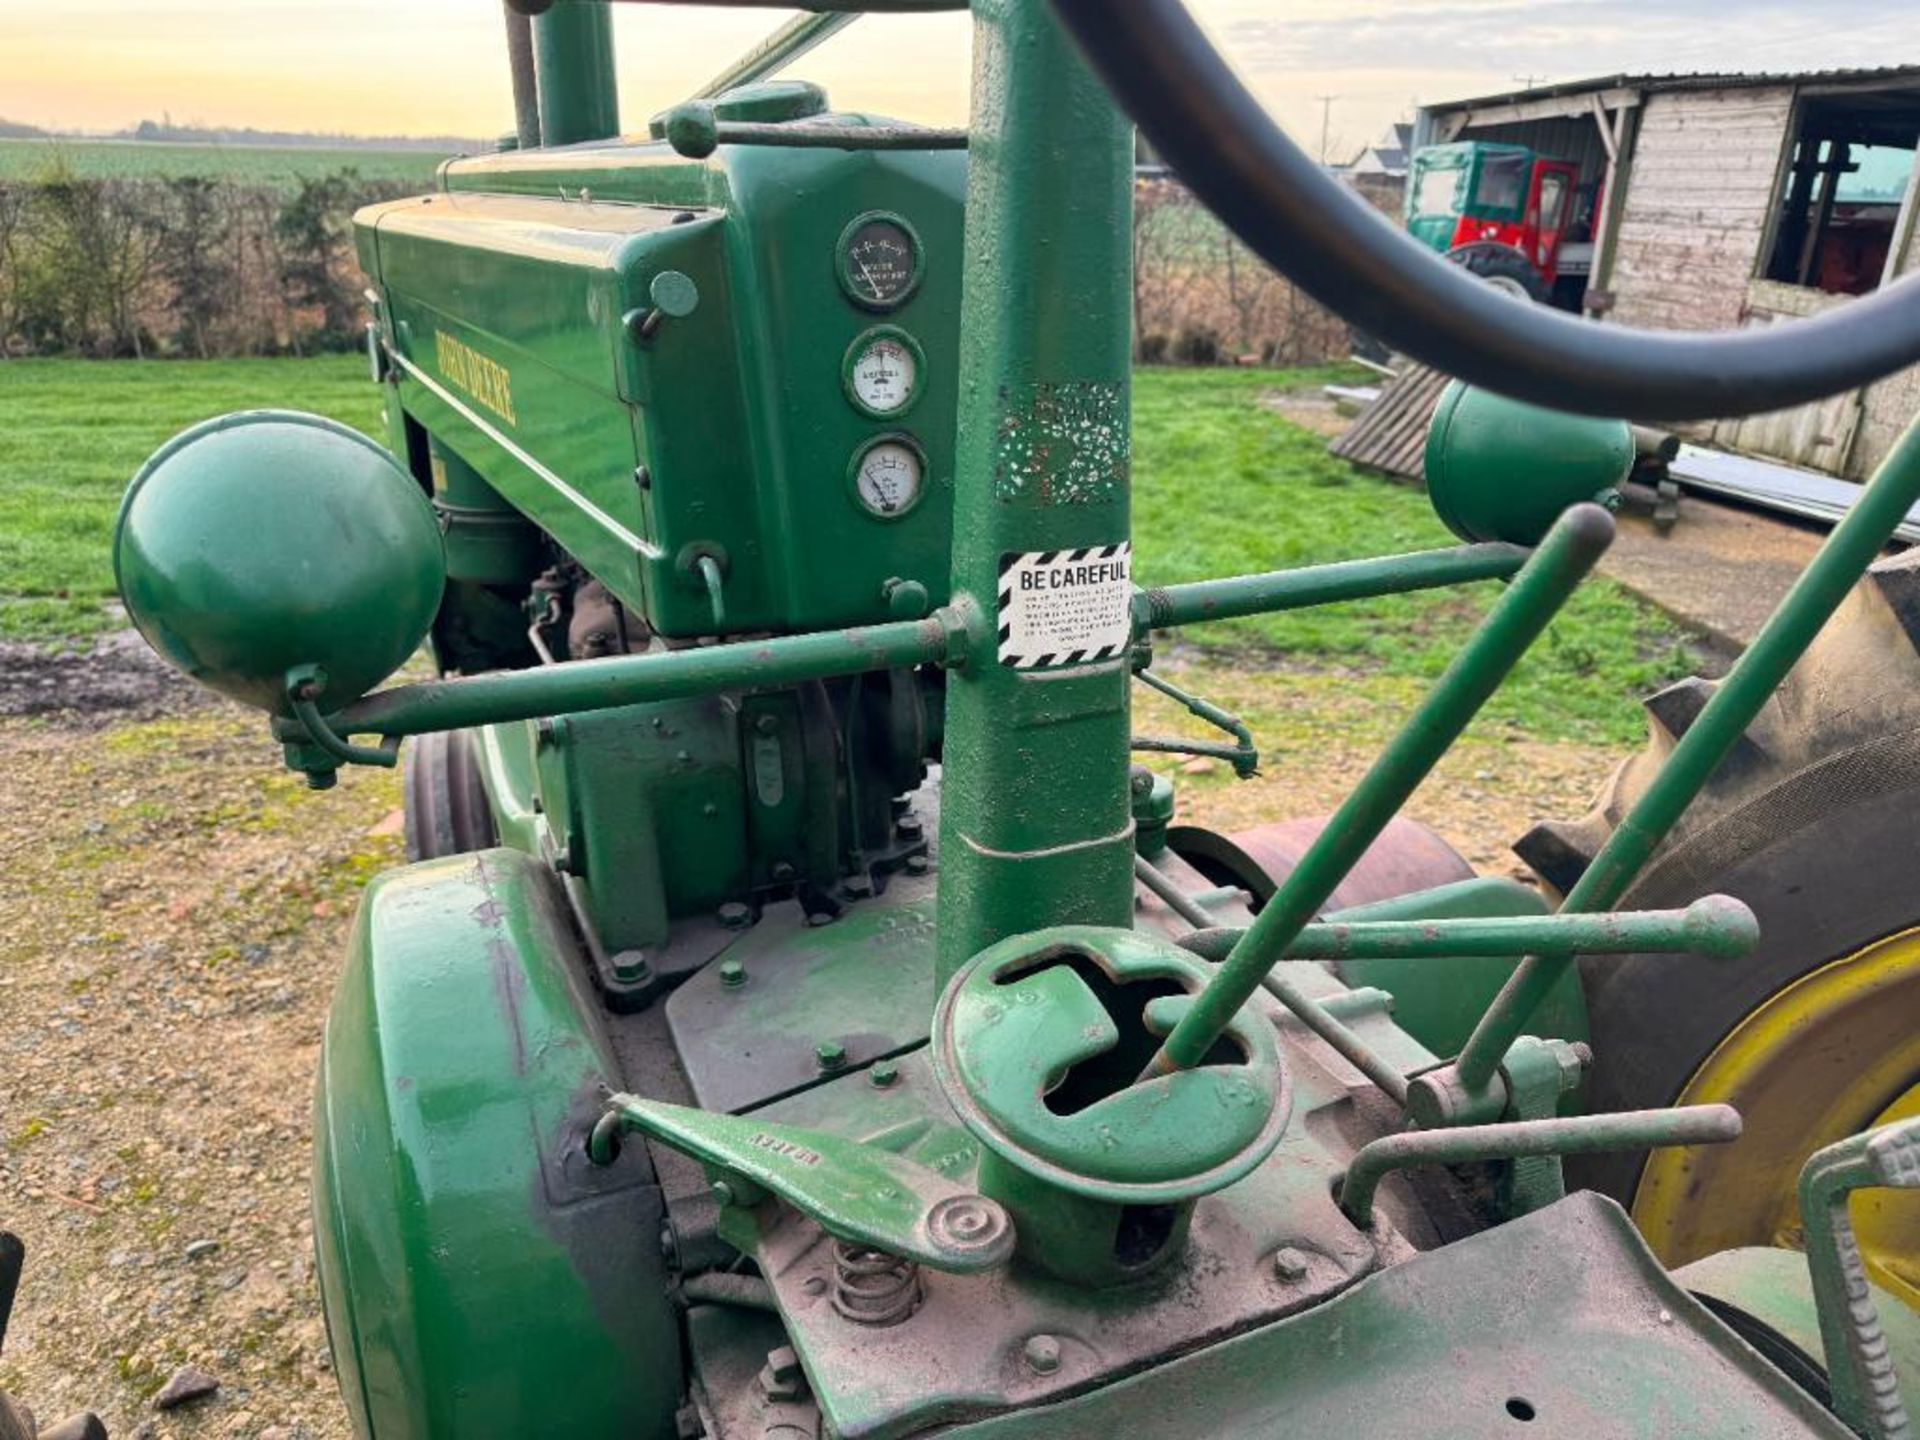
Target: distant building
(1386,158)
(1725,200)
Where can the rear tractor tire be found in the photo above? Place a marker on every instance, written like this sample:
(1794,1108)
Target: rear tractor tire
(1504,268)
(447,809)
(1814,821)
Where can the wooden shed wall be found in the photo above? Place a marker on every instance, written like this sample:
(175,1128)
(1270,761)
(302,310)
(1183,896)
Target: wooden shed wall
(1888,406)
(1705,173)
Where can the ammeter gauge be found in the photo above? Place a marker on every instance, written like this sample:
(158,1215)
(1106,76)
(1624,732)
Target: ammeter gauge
(889,475)
(883,372)
(879,261)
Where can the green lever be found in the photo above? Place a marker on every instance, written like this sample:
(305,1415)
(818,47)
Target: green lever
(1866,1392)
(859,1193)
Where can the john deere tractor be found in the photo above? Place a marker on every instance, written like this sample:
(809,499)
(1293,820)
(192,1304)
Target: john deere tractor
(803,1018)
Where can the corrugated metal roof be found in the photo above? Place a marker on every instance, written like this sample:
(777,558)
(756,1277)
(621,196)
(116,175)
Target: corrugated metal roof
(1694,80)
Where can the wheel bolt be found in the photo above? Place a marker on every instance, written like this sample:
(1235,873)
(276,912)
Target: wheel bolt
(1042,1354)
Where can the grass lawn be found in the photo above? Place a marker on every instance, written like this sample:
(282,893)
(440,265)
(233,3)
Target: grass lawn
(1223,486)
(72,432)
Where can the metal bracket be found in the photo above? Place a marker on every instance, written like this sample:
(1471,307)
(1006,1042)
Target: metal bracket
(859,1193)
(1866,1392)
(305,685)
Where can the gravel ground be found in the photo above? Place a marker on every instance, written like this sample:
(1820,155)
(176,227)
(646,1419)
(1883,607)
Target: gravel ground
(174,906)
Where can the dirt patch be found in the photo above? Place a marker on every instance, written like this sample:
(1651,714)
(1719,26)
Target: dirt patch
(119,678)
(1720,571)
(174,908)
(1311,410)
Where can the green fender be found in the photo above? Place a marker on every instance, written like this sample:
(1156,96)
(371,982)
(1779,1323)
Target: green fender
(480,1278)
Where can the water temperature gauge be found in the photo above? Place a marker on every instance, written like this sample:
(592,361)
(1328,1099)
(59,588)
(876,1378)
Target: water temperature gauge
(882,372)
(889,475)
(880,261)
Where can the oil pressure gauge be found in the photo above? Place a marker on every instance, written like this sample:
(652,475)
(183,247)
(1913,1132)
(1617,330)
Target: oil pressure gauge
(883,370)
(888,476)
(879,260)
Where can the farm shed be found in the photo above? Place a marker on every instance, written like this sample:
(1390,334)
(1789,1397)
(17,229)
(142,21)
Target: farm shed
(1711,201)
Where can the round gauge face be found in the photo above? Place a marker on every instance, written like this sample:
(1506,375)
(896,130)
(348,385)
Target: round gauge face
(879,261)
(883,372)
(888,477)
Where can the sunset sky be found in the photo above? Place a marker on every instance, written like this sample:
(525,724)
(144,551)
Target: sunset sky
(436,66)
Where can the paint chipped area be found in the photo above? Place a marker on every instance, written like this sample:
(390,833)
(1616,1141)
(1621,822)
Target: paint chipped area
(1062,444)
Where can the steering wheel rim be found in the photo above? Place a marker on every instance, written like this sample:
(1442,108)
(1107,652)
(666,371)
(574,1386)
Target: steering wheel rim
(1222,144)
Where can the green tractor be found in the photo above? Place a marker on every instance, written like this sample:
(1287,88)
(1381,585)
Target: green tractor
(802,1018)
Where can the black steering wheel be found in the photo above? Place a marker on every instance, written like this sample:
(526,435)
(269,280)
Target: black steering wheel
(1329,242)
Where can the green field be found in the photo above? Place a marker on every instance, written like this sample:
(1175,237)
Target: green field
(1223,486)
(248,164)
(72,432)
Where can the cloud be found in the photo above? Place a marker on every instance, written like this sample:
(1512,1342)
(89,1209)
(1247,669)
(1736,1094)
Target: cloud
(1565,39)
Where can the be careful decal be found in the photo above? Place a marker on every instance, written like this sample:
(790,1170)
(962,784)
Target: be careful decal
(1065,607)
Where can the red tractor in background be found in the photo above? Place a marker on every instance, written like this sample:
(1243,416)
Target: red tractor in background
(1516,219)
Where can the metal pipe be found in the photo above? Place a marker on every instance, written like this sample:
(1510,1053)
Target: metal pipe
(1827,580)
(1176,899)
(526,84)
(1330,1028)
(1516,1140)
(1717,926)
(579,97)
(1045,354)
(1241,595)
(776,52)
(1555,570)
(744,1292)
(1243,755)
(585,685)
(803,135)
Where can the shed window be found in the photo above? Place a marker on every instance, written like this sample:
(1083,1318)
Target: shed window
(1851,162)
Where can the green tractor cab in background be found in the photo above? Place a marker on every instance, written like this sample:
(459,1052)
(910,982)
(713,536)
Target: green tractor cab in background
(802,1018)
(1520,221)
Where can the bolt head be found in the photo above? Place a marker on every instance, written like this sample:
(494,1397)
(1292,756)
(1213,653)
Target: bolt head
(831,1054)
(734,915)
(722,1194)
(818,918)
(1290,1265)
(630,967)
(1042,1354)
(918,865)
(732,974)
(883,1073)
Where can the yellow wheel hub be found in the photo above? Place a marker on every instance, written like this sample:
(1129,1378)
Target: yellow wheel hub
(1836,1052)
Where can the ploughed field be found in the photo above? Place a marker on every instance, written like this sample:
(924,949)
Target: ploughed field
(173,905)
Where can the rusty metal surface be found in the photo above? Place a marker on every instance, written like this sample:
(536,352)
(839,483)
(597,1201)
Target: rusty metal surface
(1559,1324)
(1407,857)
(1270,1246)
